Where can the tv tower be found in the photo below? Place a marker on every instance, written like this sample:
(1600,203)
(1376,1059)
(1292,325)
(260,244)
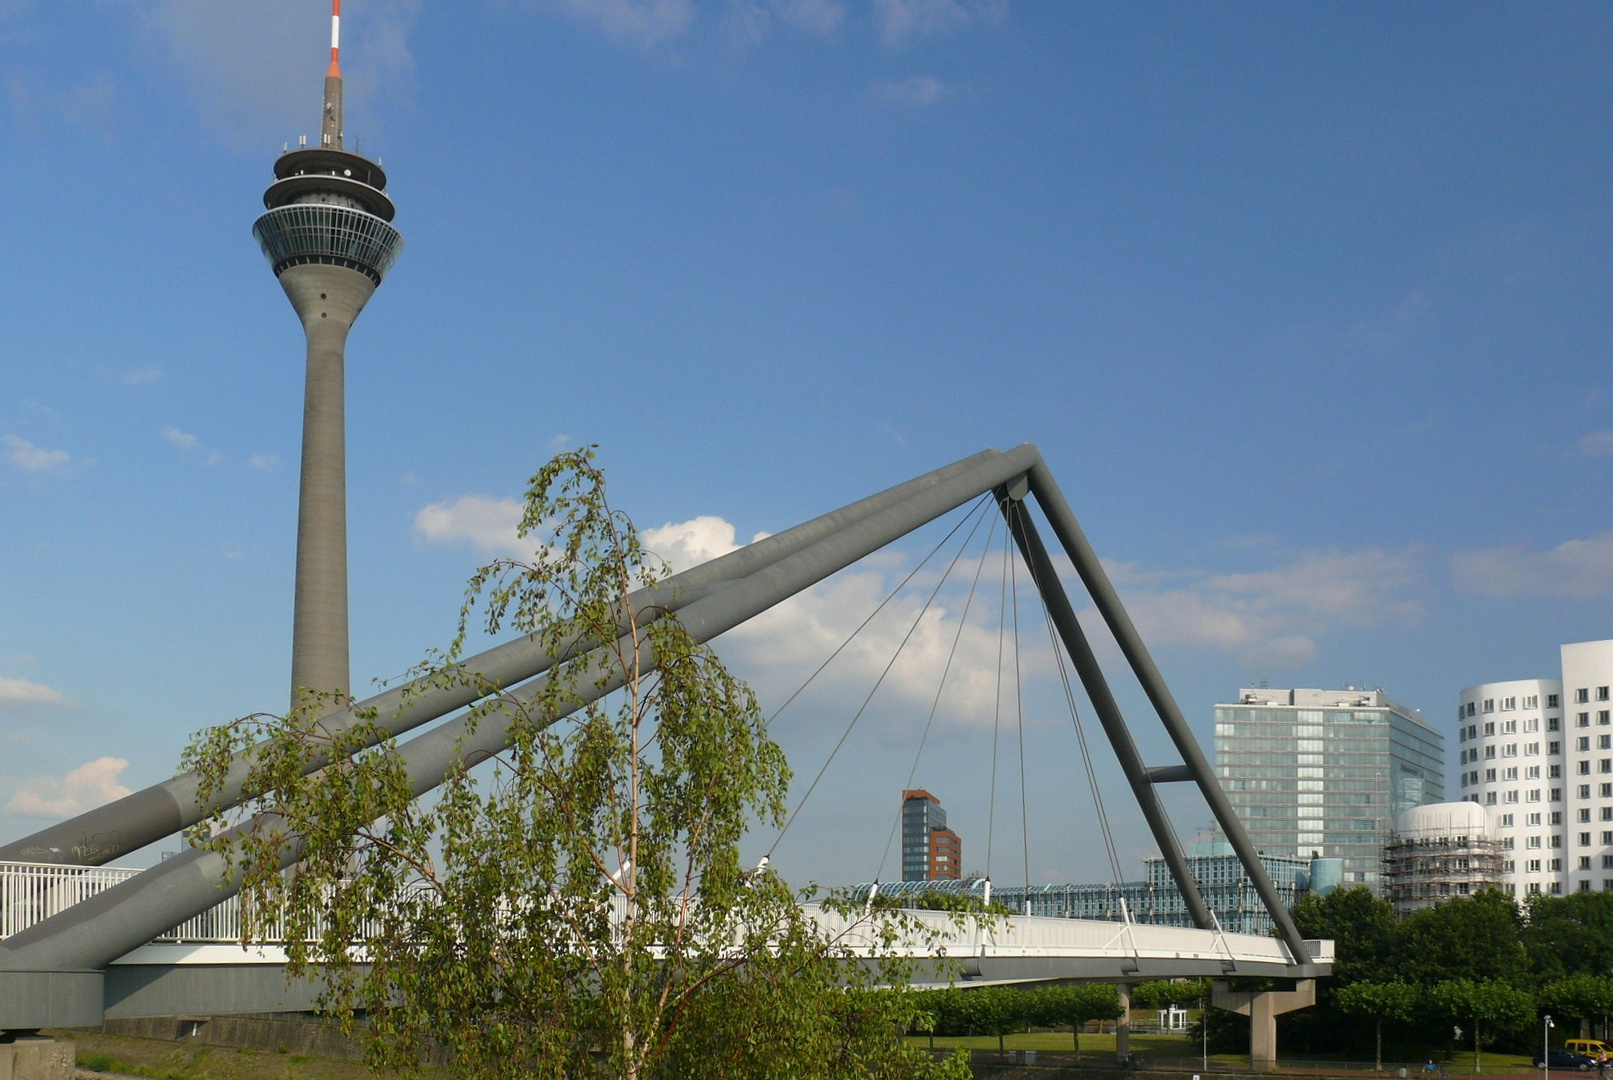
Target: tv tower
(328,236)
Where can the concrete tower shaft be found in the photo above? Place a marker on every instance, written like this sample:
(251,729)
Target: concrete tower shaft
(327,299)
(327,236)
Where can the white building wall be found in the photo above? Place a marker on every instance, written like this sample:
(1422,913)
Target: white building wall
(1588,727)
(1512,759)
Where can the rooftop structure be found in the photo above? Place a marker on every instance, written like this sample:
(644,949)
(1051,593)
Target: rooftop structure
(328,236)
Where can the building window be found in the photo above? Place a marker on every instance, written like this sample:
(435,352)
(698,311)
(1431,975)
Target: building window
(1607,839)
(1532,773)
(1509,704)
(1556,888)
(1584,862)
(1554,748)
(1470,708)
(1489,776)
(1551,701)
(1601,693)
(1511,796)
(1531,749)
(1607,862)
(1533,866)
(1554,865)
(1556,817)
(1532,701)
(1554,772)
(1506,821)
(1584,886)
(1581,696)
(1532,842)
(1583,768)
(1585,816)
(1582,719)
(1607,813)
(1534,794)
(1489,729)
(1582,744)
(1556,841)
(1472,729)
(1584,839)
(1489,704)
(1603,717)
(1509,727)
(1509,773)
(1489,798)
(1556,794)
(1489,753)
(1605,765)
(1552,723)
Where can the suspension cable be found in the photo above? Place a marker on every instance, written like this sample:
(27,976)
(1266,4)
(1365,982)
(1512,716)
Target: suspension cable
(877,683)
(888,598)
(1080,736)
(1019,711)
(997,711)
(963,621)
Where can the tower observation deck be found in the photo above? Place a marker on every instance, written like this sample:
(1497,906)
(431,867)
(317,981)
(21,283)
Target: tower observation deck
(327,233)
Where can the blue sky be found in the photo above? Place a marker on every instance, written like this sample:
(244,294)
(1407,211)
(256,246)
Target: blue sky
(1306,305)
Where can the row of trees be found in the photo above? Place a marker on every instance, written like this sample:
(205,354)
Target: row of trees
(1478,964)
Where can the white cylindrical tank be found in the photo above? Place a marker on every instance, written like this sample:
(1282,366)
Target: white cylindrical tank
(1451,819)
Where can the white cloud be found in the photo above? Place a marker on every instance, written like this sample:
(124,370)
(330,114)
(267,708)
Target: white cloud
(485,523)
(262,462)
(1272,617)
(642,23)
(900,20)
(1597,444)
(24,456)
(919,90)
(182,439)
(255,69)
(92,784)
(749,21)
(1577,569)
(23,692)
(562,442)
(149,373)
(689,543)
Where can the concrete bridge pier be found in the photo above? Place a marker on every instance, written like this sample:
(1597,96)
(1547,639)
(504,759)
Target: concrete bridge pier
(1262,1008)
(30,1056)
(1123,1025)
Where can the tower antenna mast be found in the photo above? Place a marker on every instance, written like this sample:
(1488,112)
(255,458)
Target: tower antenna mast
(331,126)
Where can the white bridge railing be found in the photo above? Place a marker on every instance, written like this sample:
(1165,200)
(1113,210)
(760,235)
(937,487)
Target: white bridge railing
(30,893)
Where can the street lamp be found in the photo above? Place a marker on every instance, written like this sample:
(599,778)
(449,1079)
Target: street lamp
(1545,1048)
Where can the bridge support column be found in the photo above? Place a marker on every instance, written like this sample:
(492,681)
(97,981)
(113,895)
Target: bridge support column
(1123,1025)
(1262,1008)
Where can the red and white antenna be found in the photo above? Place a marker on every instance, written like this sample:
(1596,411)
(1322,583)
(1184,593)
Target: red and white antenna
(335,39)
(331,124)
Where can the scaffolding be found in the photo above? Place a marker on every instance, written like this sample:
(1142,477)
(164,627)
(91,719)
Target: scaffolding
(1421,871)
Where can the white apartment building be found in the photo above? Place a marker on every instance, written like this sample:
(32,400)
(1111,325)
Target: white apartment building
(1538,754)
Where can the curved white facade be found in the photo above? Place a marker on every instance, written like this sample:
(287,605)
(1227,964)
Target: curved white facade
(1510,758)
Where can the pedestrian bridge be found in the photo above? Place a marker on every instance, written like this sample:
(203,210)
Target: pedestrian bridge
(201,968)
(81,941)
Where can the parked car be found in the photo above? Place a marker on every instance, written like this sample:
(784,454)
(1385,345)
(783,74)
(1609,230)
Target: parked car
(1589,1047)
(1564,1059)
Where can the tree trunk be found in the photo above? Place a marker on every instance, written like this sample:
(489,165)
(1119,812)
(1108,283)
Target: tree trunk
(1377,1061)
(1075,1037)
(1475,1046)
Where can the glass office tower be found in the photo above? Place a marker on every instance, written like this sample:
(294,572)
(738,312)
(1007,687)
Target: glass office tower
(1324,772)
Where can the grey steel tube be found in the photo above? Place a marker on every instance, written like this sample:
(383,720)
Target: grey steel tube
(1090,672)
(103,834)
(126,916)
(1074,541)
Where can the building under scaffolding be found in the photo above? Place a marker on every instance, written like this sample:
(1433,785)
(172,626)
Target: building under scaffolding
(1440,851)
